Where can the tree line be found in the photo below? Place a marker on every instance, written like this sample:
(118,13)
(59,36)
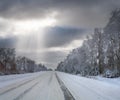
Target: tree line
(100,52)
(10,64)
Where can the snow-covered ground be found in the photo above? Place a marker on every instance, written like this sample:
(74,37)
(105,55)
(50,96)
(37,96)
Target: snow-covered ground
(45,86)
(90,89)
(114,81)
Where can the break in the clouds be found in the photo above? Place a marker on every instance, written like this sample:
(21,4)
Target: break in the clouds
(62,36)
(46,30)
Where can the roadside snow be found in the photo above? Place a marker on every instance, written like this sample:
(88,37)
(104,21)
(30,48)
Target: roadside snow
(89,89)
(114,81)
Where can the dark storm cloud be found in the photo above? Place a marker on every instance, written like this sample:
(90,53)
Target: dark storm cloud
(39,8)
(8,42)
(22,8)
(60,36)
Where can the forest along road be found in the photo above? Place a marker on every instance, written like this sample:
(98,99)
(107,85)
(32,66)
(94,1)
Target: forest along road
(55,86)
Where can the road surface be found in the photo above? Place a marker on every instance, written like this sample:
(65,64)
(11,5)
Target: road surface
(55,86)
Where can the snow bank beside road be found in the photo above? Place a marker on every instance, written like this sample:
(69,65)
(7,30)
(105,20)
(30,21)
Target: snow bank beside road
(114,81)
(89,89)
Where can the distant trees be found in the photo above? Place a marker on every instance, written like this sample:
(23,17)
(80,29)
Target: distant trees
(24,64)
(7,60)
(100,52)
(40,67)
(10,64)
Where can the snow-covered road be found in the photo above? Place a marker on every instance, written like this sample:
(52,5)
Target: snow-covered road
(45,86)
(42,86)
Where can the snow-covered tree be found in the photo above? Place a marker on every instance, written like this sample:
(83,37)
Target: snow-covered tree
(100,52)
(7,58)
(9,64)
(27,65)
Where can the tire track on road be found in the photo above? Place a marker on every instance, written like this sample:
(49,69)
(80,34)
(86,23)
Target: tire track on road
(16,85)
(26,91)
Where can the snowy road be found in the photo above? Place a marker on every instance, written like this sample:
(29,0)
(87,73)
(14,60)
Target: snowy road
(45,86)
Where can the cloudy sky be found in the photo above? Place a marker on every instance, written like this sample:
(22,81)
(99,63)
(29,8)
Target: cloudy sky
(47,30)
